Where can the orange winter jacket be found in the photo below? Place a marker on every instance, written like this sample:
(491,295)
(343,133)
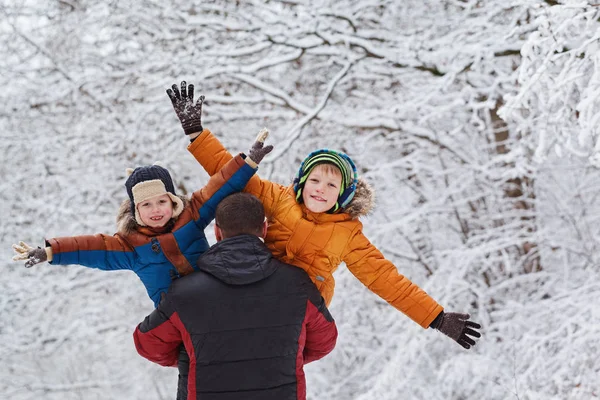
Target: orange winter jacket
(319,242)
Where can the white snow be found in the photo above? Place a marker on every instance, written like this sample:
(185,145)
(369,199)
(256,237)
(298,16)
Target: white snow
(475,122)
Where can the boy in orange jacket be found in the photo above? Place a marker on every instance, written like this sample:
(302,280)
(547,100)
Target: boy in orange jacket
(314,225)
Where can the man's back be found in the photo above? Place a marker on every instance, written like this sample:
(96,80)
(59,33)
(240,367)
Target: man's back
(249,323)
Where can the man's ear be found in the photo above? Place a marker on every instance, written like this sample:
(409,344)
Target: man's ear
(265,227)
(218,233)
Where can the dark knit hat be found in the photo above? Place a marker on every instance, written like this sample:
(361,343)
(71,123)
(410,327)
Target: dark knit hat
(338,159)
(150,181)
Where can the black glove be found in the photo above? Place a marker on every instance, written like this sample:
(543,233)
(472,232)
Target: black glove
(458,327)
(26,252)
(189,114)
(258,151)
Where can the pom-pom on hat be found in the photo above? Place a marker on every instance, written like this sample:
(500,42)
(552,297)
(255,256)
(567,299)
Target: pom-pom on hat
(149,181)
(342,161)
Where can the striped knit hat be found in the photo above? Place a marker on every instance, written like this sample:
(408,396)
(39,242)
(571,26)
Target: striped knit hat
(150,181)
(342,162)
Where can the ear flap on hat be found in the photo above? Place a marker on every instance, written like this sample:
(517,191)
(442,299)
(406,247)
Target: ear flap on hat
(177,205)
(348,194)
(346,197)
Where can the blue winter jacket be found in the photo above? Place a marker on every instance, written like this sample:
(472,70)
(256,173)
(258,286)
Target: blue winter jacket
(156,256)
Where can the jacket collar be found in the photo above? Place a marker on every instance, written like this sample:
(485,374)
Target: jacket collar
(324,217)
(239,260)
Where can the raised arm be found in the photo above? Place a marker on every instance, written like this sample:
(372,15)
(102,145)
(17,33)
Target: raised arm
(232,178)
(190,116)
(268,192)
(211,153)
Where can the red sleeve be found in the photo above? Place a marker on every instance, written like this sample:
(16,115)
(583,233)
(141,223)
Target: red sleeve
(321,332)
(158,337)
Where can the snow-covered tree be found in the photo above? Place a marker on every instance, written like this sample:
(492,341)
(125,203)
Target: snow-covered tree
(556,106)
(443,105)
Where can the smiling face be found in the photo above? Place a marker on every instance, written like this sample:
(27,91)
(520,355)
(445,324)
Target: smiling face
(322,188)
(156,211)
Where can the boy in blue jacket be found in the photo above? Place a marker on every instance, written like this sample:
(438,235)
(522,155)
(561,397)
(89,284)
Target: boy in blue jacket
(160,235)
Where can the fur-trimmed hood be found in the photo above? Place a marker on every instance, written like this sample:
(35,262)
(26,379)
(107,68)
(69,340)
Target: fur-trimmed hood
(363,202)
(126,223)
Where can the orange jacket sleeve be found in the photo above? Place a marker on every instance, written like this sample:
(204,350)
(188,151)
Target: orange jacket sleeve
(212,155)
(369,265)
(209,152)
(231,178)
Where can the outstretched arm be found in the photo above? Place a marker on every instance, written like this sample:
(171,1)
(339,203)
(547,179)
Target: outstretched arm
(367,263)
(32,255)
(381,277)
(190,116)
(93,251)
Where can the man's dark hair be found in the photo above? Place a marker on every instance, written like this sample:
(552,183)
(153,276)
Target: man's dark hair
(240,213)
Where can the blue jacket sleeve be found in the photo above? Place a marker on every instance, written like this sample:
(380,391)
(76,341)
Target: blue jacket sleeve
(232,178)
(93,251)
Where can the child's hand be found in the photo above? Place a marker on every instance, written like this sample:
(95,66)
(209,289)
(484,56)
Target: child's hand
(189,114)
(459,328)
(258,151)
(32,255)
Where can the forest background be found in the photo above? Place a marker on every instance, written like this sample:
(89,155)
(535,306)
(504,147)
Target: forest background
(475,121)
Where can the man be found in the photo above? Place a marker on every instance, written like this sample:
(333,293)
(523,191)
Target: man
(248,322)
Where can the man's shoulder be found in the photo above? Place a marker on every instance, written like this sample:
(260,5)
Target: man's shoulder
(191,282)
(292,269)
(293,273)
(297,282)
